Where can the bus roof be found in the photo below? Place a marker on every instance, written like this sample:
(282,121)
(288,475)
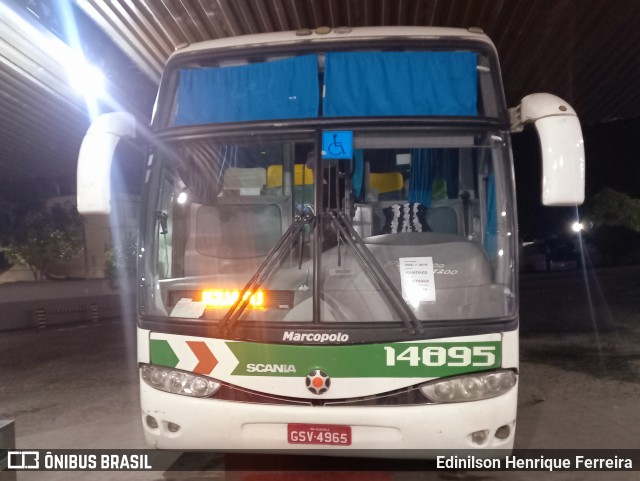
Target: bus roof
(340,33)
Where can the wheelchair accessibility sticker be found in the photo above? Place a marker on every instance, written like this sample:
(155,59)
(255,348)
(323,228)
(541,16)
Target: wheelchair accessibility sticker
(337,145)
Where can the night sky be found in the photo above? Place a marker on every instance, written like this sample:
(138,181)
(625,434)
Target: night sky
(612,160)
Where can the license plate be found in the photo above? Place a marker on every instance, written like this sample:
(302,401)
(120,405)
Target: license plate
(328,434)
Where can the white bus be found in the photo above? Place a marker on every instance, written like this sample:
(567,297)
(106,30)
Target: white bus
(328,244)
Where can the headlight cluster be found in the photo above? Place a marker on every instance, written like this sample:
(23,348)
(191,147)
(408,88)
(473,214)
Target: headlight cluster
(470,387)
(177,382)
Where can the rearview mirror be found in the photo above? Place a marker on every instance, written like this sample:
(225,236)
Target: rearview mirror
(562,145)
(95,159)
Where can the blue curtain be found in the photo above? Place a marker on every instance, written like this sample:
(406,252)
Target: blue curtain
(452,172)
(421,177)
(356,84)
(358,174)
(283,89)
(427,165)
(491,232)
(400,83)
(444,166)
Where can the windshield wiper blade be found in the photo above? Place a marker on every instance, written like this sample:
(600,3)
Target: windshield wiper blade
(375,272)
(275,255)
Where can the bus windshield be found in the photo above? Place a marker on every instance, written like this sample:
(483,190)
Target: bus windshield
(432,210)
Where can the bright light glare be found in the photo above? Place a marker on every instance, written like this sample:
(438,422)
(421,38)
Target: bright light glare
(86,78)
(577,227)
(182,197)
(83,78)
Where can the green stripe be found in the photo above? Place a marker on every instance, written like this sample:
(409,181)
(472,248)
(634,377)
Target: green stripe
(429,359)
(162,354)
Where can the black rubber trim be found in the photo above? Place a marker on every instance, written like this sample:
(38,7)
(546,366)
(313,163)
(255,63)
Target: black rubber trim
(365,332)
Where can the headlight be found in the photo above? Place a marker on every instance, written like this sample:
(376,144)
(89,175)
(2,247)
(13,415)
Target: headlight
(470,387)
(177,382)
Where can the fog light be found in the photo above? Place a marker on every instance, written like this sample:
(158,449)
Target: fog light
(445,390)
(199,386)
(175,381)
(508,381)
(145,372)
(471,388)
(492,383)
(479,437)
(151,422)
(172,427)
(157,377)
(503,432)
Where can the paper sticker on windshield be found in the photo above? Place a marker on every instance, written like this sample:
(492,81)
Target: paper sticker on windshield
(416,278)
(188,308)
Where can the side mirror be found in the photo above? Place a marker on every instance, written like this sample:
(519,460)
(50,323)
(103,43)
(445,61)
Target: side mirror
(562,146)
(95,158)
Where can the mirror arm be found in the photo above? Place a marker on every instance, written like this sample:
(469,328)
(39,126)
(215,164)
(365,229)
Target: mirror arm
(535,107)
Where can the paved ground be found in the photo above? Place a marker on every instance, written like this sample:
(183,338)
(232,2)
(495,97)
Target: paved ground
(76,386)
(580,360)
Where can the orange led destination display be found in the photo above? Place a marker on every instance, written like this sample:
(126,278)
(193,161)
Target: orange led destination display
(228,297)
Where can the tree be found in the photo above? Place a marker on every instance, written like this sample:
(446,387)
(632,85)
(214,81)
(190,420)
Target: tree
(38,235)
(616,226)
(612,208)
(121,259)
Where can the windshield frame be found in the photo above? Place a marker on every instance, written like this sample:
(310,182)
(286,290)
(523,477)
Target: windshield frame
(276,332)
(363,332)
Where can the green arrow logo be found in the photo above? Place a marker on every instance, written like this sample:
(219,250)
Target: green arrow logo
(162,354)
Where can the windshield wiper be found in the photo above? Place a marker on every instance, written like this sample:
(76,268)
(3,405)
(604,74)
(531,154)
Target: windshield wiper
(274,257)
(375,272)
(369,263)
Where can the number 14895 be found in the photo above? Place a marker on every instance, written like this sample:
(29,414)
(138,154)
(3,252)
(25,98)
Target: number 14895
(477,356)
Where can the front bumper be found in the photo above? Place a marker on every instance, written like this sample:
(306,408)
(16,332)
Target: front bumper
(225,425)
